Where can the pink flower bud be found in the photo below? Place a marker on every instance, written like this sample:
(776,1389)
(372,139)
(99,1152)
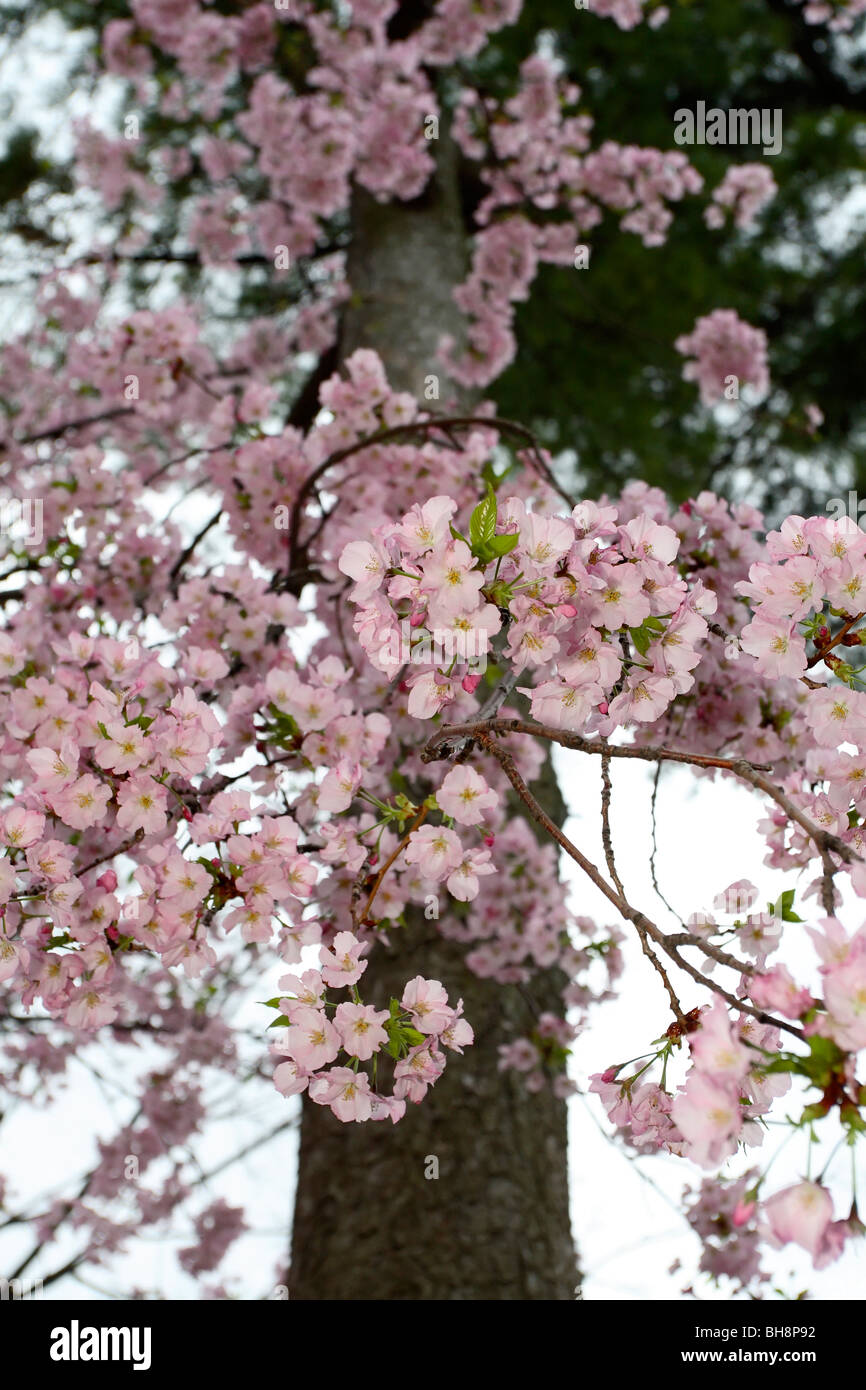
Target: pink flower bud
(567,610)
(602,709)
(742,1212)
(470,684)
(112,933)
(417,619)
(490,841)
(108,881)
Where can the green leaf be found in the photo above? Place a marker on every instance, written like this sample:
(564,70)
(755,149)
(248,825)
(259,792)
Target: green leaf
(280,1022)
(825,1048)
(783,1064)
(784,905)
(812,1113)
(490,477)
(482,523)
(502,545)
(641,639)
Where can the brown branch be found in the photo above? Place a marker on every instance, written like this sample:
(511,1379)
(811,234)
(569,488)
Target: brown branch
(112,853)
(625,909)
(438,746)
(606,838)
(115,412)
(57,430)
(676,1006)
(396,432)
(823,839)
(177,567)
(583,745)
(687,938)
(655,848)
(358,918)
(834,641)
(182,458)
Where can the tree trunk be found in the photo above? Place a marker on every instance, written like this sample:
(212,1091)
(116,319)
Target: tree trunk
(371,1220)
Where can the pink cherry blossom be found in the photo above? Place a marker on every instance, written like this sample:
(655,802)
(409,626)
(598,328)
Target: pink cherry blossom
(82,803)
(347,1093)
(465,796)
(343,964)
(360,1029)
(311,1039)
(142,803)
(427,1002)
(436,851)
(800,1213)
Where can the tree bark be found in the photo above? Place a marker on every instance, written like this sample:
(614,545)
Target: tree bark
(371,1219)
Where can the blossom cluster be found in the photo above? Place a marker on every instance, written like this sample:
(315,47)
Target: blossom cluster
(209,773)
(744,191)
(838,15)
(412,1031)
(538,149)
(286,171)
(594,612)
(732,1082)
(626,615)
(627,14)
(726,351)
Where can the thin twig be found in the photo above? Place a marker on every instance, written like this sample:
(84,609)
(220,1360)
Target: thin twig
(377,882)
(834,640)
(177,567)
(631,914)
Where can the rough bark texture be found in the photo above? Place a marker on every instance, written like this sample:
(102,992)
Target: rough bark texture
(370,1220)
(404,261)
